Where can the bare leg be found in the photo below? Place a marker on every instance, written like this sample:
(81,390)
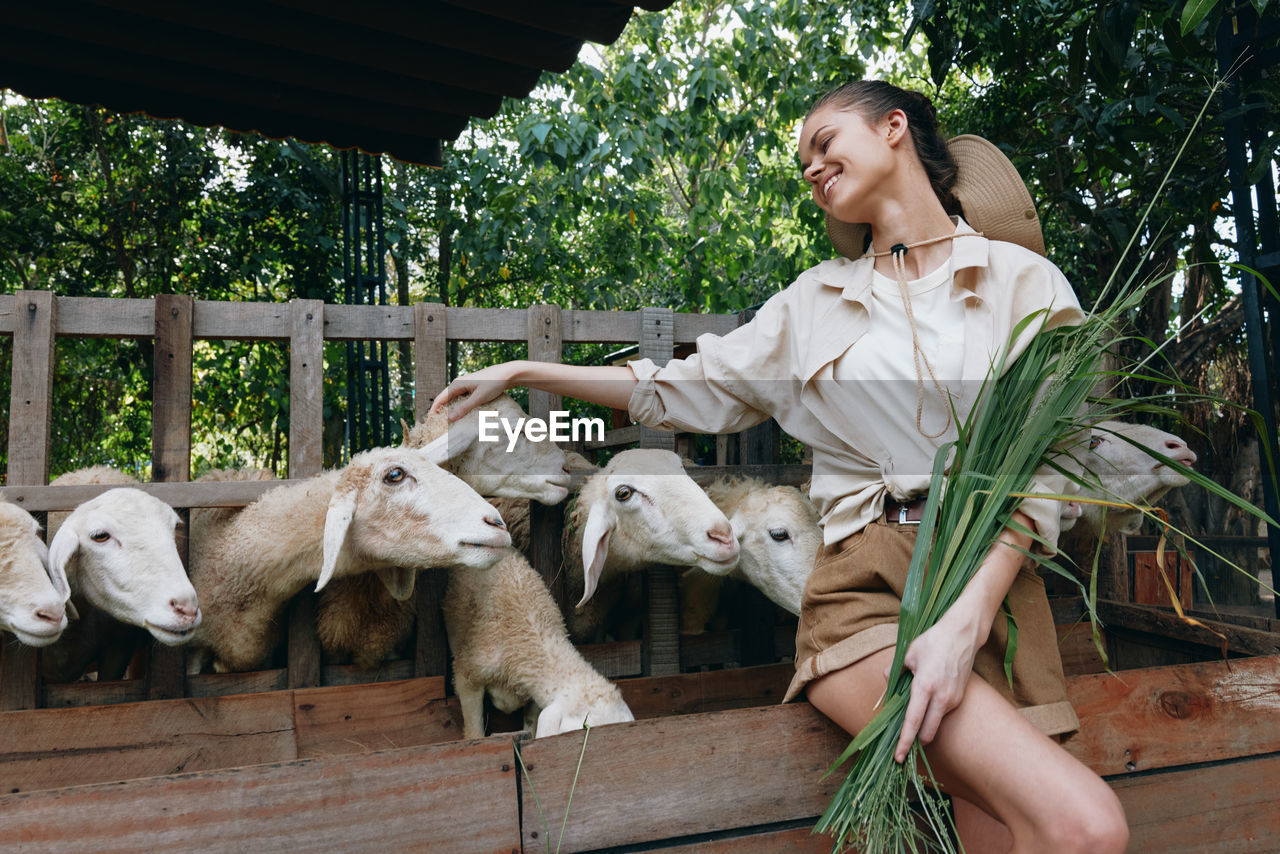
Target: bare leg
(987,754)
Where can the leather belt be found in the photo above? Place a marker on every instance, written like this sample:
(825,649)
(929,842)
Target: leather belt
(904,513)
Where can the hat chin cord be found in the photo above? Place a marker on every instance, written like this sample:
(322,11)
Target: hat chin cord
(899,253)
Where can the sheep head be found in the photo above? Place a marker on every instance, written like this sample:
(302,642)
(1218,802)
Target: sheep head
(779,540)
(644,507)
(500,469)
(572,710)
(394,512)
(1122,464)
(118,551)
(34,596)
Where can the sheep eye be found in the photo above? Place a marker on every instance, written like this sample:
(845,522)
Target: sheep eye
(779,535)
(1094,442)
(99,536)
(622,493)
(395,475)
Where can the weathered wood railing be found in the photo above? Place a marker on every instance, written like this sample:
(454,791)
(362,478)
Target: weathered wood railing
(37,319)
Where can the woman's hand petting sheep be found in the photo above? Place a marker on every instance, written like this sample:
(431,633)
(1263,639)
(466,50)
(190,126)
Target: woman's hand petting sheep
(941,659)
(475,389)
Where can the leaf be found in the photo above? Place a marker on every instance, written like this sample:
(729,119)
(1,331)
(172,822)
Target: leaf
(1194,12)
(540,131)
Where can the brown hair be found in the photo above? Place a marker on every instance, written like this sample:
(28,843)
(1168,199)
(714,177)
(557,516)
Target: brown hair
(873,99)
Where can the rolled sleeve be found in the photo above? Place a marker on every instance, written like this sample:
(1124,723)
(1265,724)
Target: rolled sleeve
(732,382)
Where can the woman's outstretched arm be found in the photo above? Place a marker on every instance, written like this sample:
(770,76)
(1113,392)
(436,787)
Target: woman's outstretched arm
(607,385)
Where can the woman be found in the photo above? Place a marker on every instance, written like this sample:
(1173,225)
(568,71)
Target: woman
(858,359)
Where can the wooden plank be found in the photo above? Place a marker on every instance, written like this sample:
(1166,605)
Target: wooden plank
(753,766)
(51,748)
(170,452)
(710,648)
(218,494)
(30,416)
(223,684)
(487,324)
(430,355)
(1220,808)
(795,840)
(106,317)
(546,524)
(349,674)
(713,691)
(1149,579)
(306,454)
(1170,625)
(657,342)
(364,322)
(458,797)
(430,376)
(614,659)
(1139,720)
(242,321)
(1077,650)
(306,388)
(615,437)
(362,718)
(61,695)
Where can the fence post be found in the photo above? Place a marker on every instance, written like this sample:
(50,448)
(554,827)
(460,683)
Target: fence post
(306,454)
(660,654)
(430,376)
(758,445)
(30,415)
(170,453)
(546,524)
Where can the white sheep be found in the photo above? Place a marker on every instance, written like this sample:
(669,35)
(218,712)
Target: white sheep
(1117,470)
(121,560)
(390,511)
(356,618)
(641,509)
(34,597)
(508,639)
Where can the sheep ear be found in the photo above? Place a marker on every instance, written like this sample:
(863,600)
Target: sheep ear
(398,581)
(601,521)
(59,558)
(342,506)
(437,450)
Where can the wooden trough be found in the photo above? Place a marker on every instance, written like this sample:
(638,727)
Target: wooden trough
(315,756)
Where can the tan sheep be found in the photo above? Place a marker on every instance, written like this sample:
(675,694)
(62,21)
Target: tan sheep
(390,511)
(356,618)
(508,639)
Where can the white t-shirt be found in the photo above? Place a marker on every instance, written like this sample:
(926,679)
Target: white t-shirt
(879,370)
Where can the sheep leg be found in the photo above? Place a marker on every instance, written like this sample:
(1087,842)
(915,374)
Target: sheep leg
(471,702)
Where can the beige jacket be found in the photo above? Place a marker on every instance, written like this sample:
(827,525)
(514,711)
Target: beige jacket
(781,365)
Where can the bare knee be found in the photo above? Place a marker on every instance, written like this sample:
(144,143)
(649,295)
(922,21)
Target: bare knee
(1092,824)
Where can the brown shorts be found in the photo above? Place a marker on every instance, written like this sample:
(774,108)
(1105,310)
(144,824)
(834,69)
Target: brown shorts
(850,610)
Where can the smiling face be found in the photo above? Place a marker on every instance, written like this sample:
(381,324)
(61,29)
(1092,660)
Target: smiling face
(846,159)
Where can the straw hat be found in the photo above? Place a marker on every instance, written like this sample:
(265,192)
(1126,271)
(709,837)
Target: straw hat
(990,191)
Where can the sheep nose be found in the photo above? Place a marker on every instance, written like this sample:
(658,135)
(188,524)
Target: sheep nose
(565,468)
(185,608)
(494,520)
(1178,450)
(722,534)
(51,614)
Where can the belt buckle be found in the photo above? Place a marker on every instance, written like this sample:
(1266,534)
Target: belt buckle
(902,516)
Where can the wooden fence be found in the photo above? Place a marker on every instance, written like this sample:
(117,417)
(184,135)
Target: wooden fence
(36,319)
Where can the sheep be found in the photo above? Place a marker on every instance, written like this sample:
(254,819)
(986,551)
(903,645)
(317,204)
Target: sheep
(389,511)
(778,540)
(1117,470)
(34,596)
(119,555)
(640,509)
(356,618)
(508,638)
